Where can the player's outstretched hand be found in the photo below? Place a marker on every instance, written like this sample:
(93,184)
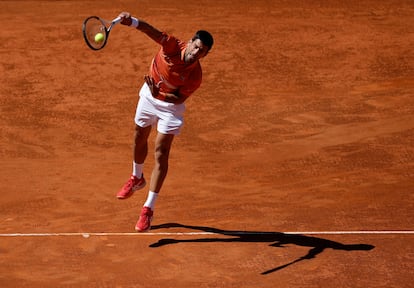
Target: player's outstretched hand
(126,18)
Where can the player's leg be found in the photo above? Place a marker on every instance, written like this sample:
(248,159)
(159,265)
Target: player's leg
(145,116)
(162,152)
(163,144)
(140,151)
(170,121)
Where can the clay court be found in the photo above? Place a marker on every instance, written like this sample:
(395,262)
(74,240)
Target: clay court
(294,168)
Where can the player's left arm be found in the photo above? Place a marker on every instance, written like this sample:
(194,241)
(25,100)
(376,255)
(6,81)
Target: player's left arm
(192,83)
(181,95)
(173,98)
(177,97)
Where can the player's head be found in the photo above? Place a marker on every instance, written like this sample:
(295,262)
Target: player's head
(204,37)
(199,46)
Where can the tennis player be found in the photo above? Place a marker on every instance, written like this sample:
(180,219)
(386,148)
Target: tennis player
(175,73)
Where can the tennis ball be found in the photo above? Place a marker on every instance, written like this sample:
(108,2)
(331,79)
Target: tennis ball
(99,37)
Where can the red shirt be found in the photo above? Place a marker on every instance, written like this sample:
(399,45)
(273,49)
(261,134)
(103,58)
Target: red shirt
(169,70)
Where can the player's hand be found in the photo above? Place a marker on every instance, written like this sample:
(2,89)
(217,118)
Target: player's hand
(126,18)
(155,90)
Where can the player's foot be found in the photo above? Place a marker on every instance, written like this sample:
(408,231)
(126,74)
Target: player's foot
(131,186)
(144,221)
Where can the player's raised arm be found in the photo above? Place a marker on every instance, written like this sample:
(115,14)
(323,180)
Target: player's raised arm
(141,25)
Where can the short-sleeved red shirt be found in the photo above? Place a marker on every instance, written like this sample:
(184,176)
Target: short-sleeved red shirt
(169,70)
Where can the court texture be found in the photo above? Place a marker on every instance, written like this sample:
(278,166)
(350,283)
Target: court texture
(294,168)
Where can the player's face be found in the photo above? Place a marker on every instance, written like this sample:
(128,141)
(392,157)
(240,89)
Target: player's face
(194,51)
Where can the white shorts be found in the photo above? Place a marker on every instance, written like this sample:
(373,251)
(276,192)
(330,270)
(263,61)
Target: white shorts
(150,111)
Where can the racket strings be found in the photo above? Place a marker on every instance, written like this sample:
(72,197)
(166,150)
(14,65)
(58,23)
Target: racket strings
(94,33)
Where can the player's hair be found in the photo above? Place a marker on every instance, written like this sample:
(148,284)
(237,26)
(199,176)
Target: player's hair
(204,37)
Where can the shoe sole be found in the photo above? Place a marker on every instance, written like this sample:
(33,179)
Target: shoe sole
(142,231)
(135,188)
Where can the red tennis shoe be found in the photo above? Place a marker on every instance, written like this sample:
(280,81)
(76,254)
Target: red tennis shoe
(131,186)
(144,221)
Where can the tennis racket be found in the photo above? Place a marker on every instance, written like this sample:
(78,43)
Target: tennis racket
(96,31)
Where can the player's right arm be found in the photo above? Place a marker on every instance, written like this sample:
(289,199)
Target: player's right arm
(143,26)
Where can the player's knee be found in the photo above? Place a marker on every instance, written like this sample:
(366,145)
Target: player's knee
(141,135)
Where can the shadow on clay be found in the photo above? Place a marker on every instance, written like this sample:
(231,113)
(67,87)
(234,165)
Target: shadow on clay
(277,239)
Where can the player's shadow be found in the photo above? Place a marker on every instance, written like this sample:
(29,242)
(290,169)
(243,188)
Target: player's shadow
(277,239)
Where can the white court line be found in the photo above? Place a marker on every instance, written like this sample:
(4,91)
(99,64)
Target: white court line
(225,233)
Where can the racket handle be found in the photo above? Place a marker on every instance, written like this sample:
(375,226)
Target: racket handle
(116,20)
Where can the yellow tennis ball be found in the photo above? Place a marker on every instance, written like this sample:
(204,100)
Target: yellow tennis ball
(99,37)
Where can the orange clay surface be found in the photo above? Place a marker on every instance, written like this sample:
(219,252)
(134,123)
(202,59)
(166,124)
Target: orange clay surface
(304,123)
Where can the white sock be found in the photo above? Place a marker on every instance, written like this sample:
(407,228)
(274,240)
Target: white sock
(137,169)
(152,197)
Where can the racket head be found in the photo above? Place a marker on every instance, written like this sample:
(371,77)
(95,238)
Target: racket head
(91,27)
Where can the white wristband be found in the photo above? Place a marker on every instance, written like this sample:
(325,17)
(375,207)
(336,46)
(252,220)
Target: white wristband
(135,22)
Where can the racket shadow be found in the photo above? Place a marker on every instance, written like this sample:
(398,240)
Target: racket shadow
(277,239)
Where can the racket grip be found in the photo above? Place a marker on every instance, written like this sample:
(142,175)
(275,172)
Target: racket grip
(116,20)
